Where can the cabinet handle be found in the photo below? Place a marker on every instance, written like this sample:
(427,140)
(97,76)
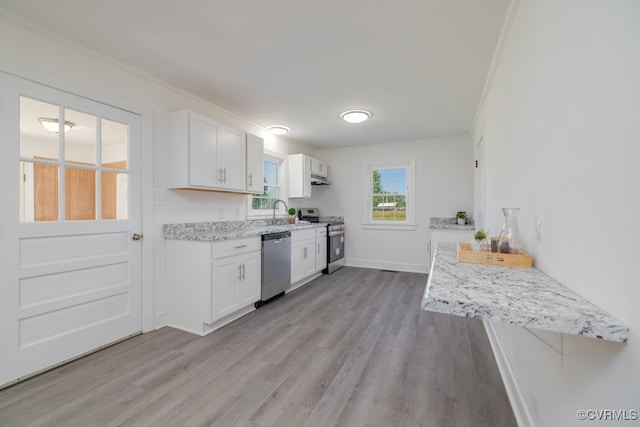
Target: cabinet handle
(241,246)
(225,175)
(305,252)
(220,175)
(318,250)
(250,180)
(243,271)
(239,271)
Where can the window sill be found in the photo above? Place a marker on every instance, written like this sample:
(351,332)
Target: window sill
(386,226)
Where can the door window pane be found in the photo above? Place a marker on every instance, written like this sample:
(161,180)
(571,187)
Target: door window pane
(115,190)
(115,144)
(35,140)
(80,194)
(80,141)
(38,192)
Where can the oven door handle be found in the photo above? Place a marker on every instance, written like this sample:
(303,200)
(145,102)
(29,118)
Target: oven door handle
(335,233)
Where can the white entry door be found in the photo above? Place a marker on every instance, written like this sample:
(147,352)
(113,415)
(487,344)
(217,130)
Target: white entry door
(70,255)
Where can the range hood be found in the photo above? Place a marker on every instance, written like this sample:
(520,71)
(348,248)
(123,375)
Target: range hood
(318,180)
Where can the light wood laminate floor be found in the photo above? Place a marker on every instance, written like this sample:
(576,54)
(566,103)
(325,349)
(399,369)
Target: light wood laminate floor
(349,349)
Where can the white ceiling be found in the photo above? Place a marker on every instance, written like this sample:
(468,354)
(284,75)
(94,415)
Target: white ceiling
(418,65)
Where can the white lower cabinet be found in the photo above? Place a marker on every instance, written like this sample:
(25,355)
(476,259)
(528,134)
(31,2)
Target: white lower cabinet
(211,284)
(304,255)
(236,283)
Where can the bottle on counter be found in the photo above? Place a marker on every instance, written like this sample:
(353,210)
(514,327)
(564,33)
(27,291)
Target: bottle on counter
(510,241)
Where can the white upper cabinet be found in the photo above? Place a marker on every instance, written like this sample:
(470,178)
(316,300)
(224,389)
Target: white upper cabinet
(318,168)
(255,150)
(201,136)
(205,154)
(299,167)
(232,158)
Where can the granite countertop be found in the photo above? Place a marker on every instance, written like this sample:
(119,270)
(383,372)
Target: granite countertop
(518,296)
(226,230)
(438,223)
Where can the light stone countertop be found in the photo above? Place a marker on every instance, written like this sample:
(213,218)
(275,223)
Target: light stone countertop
(518,296)
(226,230)
(438,223)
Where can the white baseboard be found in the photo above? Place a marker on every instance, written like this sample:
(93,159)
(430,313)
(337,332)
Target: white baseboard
(162,319)
(518,404)
(382,265)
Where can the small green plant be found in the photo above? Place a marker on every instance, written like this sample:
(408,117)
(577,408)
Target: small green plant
(480,235)
(461,215)
(292,211)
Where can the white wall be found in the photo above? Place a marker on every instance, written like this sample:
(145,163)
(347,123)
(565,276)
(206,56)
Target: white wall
(444,185)
(562,125)
(38,55)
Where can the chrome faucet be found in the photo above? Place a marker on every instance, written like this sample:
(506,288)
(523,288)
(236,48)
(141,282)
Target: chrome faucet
(273,220)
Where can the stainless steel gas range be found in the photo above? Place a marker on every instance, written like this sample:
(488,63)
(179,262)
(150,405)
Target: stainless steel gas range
(335,237)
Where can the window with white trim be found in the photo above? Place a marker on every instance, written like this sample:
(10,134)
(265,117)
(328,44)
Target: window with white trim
(390,201)
(262,204)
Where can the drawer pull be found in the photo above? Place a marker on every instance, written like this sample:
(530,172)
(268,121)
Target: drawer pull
(241,246)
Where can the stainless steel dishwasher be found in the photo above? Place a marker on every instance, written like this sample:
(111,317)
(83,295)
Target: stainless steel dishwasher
(276,266)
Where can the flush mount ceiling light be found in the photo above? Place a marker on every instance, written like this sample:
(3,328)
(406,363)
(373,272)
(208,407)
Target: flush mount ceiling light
(51,124)
(355,116)
(278,130)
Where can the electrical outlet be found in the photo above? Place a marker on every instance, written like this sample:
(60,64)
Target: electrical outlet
(160,197)
(539,226)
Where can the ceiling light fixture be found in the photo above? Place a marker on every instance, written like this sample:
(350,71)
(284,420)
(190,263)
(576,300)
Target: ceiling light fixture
(51,124)
(355,116)
(278,130)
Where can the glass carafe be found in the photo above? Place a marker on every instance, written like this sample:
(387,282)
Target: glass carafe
(510,240)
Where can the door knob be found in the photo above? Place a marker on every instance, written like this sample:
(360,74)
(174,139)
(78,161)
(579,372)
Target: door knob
(136,236)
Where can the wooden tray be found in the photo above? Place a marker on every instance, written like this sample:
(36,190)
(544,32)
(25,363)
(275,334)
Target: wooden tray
(467,254)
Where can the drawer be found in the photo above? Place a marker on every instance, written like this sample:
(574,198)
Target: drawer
(321,231)
(225,248)
(305,234)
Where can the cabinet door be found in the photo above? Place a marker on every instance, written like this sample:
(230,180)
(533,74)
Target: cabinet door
(250,282)
(303,259)
(297,251)
(231,159)
(255,150)
(226,293)
(309,258)
(299,176)
(203,152)
(318,168)
(321,253)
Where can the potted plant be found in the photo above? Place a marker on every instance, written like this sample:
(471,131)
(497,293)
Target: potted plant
(462,216)
(481,240)
(292,215)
